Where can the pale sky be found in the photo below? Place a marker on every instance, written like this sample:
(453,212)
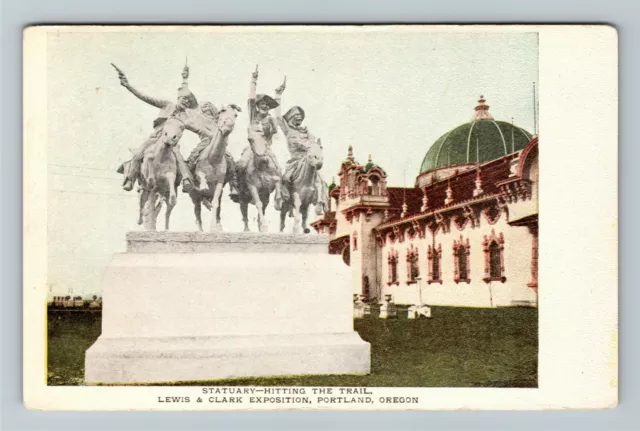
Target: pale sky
(390,94)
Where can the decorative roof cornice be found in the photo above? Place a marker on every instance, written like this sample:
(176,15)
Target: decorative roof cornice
(439,210)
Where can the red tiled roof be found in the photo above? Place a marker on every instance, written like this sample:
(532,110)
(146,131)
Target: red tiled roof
(462,186)
(397,198)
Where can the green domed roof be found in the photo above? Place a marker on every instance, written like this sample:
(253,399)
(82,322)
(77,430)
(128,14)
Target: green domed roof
(480,140)
(370,165)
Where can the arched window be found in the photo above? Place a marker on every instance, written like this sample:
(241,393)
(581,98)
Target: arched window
(493,247)
(355,241)
(374,184)
(461,267)
(461,259)
(393,267)
(394,271)
(413,269)
(435,269)
(494,260)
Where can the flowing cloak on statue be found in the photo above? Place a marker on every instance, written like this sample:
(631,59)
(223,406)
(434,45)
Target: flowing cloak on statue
(297,141)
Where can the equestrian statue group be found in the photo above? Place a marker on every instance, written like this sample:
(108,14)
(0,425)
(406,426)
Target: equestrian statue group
(158,167)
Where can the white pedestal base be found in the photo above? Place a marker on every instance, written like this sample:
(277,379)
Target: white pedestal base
(147,360)
(185,307)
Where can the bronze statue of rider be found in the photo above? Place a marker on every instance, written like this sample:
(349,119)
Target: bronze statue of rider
(298,139)
(261,123)
(184,109)
(206,122)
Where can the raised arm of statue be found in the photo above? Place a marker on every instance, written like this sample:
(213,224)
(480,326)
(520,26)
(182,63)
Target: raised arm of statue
(278,111)
(185,75)
(252,94)
(158,103)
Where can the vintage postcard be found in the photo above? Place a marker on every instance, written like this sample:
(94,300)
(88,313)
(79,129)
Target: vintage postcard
(320,217)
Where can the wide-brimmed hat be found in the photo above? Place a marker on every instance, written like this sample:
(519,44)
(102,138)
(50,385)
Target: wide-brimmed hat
(270,101)
(213,107)
(293,111)
(185,92)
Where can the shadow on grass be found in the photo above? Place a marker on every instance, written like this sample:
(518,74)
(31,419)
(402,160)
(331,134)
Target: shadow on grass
(458,347)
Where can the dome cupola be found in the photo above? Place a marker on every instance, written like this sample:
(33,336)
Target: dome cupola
(481,140)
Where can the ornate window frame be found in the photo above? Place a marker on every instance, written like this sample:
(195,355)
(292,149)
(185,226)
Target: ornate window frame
(486,248)
(412,258)
(457,245)
(434,254)
(497,213)
(392,260)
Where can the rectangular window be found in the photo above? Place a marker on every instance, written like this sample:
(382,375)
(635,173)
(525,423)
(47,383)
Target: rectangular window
(495,272)
(394,271)
(435,263)
(462,263)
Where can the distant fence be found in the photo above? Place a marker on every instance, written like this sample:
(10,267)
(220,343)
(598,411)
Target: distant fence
(75,304)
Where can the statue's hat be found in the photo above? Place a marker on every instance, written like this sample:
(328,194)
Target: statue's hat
(293,111)
(209,105)
(185,92)
(270,101)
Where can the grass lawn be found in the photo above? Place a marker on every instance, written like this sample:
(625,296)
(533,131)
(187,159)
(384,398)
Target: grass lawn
(458,347)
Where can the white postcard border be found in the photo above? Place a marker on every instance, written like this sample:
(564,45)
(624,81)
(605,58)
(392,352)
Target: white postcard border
(578,359)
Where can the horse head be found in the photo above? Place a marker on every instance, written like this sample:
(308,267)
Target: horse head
(314,154)
(172,132)
(227,118)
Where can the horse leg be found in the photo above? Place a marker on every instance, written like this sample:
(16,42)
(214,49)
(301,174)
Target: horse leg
(255,196)
(149,211)
(283,216)
(244,209)
(151,174)
(158,209)
(304,210)
(167,216)
(171,183)
(197,209)
(219,212)
(295,199)
(142,200)
(215,207)
(206,202)
(277,200)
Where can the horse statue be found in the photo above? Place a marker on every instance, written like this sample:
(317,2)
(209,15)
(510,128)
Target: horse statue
(211,169)
(304,188)
(258,177)
(159,176)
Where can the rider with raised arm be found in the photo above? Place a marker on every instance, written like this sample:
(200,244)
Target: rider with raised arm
(298,140)
(261,124)
(182,109)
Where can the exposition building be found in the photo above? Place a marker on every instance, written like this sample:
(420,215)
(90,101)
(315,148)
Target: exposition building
(465,235)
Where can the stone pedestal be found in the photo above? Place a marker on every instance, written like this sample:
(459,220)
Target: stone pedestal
(416,311)
(193,306)
(358,308)
(366,310)
(388,309)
